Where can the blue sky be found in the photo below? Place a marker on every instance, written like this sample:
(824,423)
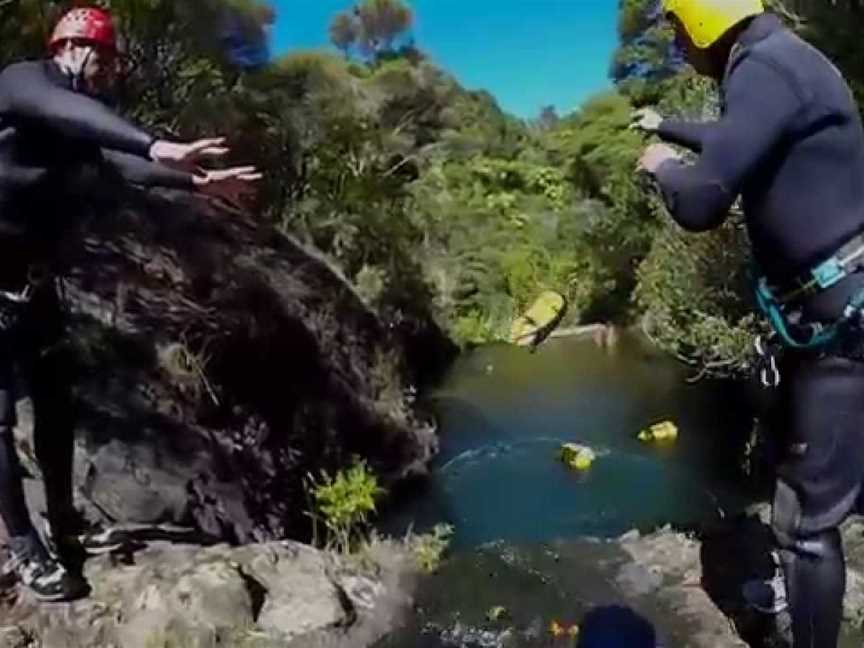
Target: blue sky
(528,53)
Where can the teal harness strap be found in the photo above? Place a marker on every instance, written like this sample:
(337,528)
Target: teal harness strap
(819,278)
(768,304)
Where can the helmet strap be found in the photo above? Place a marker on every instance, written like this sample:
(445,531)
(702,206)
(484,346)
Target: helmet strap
(72,60)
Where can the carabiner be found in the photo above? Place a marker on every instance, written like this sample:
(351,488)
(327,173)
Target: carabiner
(769,374)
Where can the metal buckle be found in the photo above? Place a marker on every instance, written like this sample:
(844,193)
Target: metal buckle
(769,374)
(23,296)
(828,273)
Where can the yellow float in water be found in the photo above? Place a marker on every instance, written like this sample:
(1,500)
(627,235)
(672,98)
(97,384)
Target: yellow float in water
(558,629)
(577,457)
(664,431)
(496,613)
(541,319)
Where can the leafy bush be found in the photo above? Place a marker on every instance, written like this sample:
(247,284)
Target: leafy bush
(429,548)
(344,503)
(694,292)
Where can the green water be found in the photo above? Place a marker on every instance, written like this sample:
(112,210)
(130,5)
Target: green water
(522,518)
(504,412)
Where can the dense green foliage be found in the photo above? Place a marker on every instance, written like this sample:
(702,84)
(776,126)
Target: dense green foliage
(426,195)
(344,503)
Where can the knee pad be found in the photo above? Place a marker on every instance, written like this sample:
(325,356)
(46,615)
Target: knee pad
(786,525)
(826,545)
(786,515)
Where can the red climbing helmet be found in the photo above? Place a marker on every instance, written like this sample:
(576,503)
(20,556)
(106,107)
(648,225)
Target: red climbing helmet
(89,24)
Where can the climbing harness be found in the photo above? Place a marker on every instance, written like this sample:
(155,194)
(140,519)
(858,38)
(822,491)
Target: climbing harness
(787,322)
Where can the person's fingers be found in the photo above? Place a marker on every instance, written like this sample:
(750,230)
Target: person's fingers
(210,152)
(207,148)
(246,174)
(210,142)
(241,170)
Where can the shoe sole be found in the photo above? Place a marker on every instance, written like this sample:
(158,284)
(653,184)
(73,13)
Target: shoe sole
(102,550)
(779,609)
(58,598)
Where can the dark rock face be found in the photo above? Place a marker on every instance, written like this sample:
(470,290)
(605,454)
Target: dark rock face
(219,361)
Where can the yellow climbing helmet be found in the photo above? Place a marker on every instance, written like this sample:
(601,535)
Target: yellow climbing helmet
(707,20)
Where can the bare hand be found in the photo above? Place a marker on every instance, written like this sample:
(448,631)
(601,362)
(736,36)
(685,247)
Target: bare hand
(232,186)
(646,119)
(186,156)
(654,156)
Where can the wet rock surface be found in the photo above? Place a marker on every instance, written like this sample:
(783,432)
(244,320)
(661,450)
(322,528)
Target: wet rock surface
(672,589)
(261,596)
(665,588)
(650,583)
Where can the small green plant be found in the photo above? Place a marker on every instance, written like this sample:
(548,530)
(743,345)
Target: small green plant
(474,328)
(429,548)
(343,503)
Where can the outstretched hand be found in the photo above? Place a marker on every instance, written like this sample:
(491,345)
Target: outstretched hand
(231,186)
(654,157)
(187,156)
(647,120)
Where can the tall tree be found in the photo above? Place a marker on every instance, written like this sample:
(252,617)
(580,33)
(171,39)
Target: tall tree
(381,23)
(645,56)
(548,118)
(343,32)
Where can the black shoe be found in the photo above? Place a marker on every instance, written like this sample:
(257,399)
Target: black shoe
(77,536)
(46,578)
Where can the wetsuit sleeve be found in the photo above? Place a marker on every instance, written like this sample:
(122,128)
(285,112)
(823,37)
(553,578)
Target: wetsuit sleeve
(139,171)
(761,105)
(27,93)
(683,133)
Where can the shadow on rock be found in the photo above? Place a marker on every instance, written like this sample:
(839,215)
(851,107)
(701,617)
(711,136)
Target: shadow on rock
(132,541)
(615,626)
(732,553)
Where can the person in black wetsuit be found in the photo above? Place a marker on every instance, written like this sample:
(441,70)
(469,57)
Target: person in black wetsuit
(53,128)
(790,143)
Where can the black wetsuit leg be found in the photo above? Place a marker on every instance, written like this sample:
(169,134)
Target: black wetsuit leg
(820,424)
(13,506)
(33,346)
(815,572)
(48,368)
